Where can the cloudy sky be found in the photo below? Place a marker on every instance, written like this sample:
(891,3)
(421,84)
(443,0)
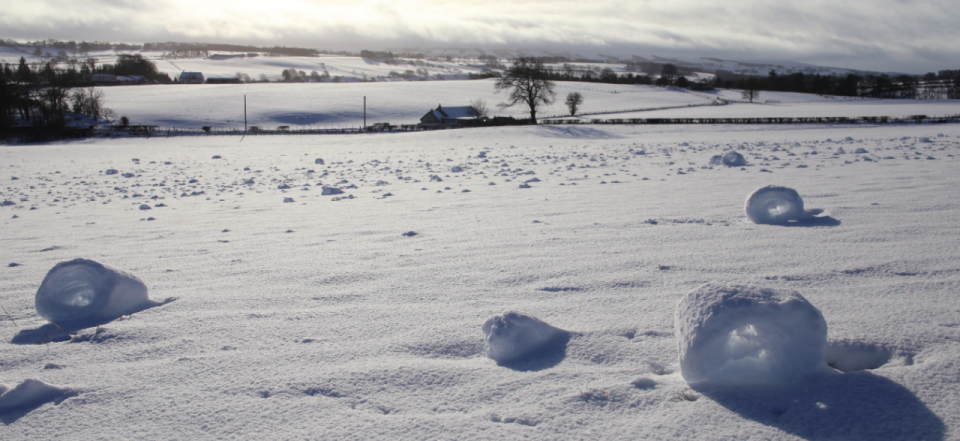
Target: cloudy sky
(889,35)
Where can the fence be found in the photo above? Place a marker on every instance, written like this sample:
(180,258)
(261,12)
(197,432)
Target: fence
(154,131)
(31,133)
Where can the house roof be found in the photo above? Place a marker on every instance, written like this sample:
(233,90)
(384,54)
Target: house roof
(442,113)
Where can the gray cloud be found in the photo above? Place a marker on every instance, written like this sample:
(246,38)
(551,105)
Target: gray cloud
(904,35)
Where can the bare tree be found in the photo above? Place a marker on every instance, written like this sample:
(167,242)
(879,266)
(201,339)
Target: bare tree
(528,84)
(109,115)
(479,109)
(669,73)
(88,102)
(574,99)
(751,90)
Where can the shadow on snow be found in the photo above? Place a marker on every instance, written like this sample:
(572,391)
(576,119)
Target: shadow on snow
(851,406)
(64,331)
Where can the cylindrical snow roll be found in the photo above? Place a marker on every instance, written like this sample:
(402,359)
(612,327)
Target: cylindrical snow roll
(733,159)
(82,289)
(748,335)
(513,335)
(774,205)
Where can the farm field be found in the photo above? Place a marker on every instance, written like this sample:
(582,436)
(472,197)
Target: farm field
(284,309)
(324,105)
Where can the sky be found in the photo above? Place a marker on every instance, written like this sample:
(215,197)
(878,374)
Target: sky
(882,35)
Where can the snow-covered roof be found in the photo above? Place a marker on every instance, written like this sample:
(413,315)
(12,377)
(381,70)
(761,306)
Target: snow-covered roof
(443,113)
(191,75)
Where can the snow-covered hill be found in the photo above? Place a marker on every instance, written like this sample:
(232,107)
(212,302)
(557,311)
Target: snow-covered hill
(341,105)
(295,313)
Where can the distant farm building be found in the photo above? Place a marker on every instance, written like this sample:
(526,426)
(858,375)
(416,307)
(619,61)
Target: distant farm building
(449,116)
(225,56)
(191,78)
(223,80)
(104,78)
(132,79)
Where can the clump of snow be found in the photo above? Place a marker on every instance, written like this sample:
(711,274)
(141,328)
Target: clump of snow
(776,205)
(733,159)
(83,289)
(328,191)
(30,392)
(850,356)
(748,335)
(513,336)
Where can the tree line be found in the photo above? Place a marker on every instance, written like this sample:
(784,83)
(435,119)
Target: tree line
(670,74)
(208,47)
(73,47)
(944,84)
(42,94)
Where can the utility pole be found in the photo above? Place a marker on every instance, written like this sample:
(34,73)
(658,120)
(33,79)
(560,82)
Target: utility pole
(364,113)
(244,113)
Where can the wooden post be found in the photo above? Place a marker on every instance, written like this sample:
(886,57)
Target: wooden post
(364,113)
(244,113)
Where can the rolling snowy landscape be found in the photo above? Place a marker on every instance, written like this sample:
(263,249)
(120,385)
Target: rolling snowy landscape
(535,220)
(361,286)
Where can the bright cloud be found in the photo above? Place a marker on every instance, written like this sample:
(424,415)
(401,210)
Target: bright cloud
(881,34)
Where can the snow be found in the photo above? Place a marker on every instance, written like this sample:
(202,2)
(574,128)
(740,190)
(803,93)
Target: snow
(82,289)
(894,108)
(776,205)
(733,159)
(742,335)
(29,393)
(323,319)
(334,105)
(349,68)
(512,336)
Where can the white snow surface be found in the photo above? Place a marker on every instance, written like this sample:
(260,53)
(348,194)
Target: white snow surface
(29,393)
(333,105)
(322,319)
(812,107)
(743,335)
(349,68)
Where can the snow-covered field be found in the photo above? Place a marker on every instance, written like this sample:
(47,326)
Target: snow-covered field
(893,108)
(464,60)
(326,105)
(363,317)
(348,68)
